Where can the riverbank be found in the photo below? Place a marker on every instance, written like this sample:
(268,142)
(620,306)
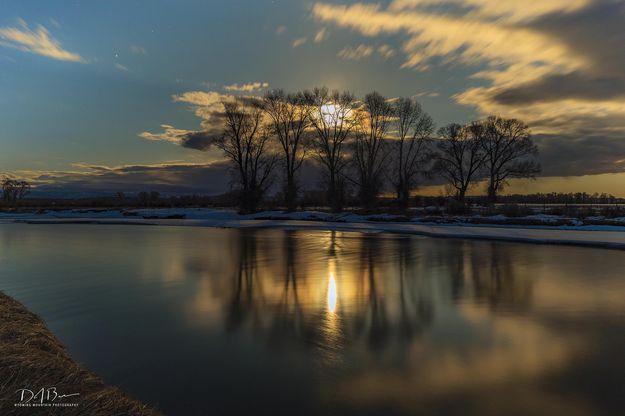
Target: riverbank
(32,358)
(540,229)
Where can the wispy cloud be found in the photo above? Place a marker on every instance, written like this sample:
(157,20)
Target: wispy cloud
(37,41)
(121,67)
(431,94)
(299,42)
(168,178)
(455,37)
(355,54)
(539,61)
(55,23)
(386,51)
(138,50)
(365,51)
(280,30)
(321,35)
(497,9)
(169,134)
(247,87)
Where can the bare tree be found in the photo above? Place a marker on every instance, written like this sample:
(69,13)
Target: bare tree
(289,115)
(144,198)
(460,155)
(245,141)
(510,153)
(333,119)
(414,127)
(13,190)
(370,151)
(121,197)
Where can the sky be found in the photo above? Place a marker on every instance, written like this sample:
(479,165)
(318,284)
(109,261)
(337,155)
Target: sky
(114,95)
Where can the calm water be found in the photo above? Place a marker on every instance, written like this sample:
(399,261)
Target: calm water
(202,321)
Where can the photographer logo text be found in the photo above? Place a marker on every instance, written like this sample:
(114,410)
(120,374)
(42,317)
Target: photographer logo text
(45,397)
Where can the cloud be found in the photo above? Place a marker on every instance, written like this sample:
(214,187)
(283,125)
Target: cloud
(431,94)
(198,140)
(299,42)
(355,54)
(55,23)
(280,30)
(38,42)
(168,178)
(365,51)
(558,65)
(457,38)
(208,106)
(565,155)
(138,50)
(121,67)
(574,85)
(510,11)
(386,52)
(248,87)
(321,35)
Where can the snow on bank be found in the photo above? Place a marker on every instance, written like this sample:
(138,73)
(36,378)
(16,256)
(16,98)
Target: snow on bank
(460,227)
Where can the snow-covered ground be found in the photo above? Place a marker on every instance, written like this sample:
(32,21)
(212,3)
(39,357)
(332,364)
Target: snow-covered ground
(537,228)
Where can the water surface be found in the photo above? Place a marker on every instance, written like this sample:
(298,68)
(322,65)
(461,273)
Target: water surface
(200,321)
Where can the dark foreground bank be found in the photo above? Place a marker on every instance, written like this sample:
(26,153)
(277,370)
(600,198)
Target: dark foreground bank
(32,359)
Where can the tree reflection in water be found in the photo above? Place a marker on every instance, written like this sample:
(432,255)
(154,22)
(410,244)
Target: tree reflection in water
(345,290)
(246,300)
(321,322)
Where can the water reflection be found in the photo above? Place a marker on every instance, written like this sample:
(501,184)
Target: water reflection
(314,322)
(329,290)
(332,294)
(426,321)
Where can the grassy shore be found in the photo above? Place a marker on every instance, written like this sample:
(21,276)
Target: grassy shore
(32,357)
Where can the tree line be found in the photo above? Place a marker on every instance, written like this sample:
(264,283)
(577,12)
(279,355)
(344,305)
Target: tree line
(13,190)
(561,198)
(369,145)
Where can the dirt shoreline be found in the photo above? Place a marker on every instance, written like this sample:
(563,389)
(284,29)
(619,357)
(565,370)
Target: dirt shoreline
(32,358)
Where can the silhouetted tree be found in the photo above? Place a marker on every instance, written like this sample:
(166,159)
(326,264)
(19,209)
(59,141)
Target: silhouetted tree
(121,197)
(144,198)
(510,153)
(289,116)
(245,141)
(154,196)
(460,156)
(13,190)
(370,151)
(333,118)
(414,127)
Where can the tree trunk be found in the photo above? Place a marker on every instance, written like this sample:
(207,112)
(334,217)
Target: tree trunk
(290,194)
(334,194)
(460,195)
(492,192)
(367,196)
(404,196)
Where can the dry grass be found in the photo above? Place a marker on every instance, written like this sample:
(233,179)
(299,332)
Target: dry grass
(31,357)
